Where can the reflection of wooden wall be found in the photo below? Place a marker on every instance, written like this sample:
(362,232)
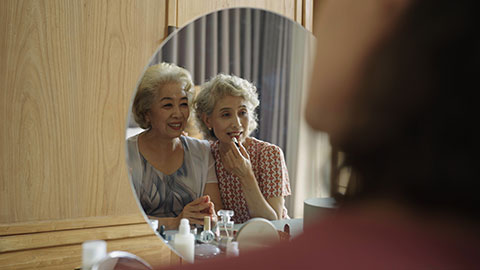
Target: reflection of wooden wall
(188,10)
(68,69)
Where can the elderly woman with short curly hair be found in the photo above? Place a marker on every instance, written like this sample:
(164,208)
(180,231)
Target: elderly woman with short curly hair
(170,172)
(252,174)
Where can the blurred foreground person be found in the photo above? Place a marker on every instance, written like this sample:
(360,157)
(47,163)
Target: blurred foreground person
(394,86)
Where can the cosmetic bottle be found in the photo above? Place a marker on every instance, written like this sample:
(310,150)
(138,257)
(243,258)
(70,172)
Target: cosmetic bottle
(232,249)
(92,252)
(225,225)
(184,241)
(153,223)
(207,236)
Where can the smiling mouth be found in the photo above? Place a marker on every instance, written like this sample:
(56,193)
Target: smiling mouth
(175,126)
(234,134)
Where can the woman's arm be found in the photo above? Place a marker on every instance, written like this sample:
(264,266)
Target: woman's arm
(211,187)
(277,203)
(238,161)
(258,206)
(212,190)
(194,212)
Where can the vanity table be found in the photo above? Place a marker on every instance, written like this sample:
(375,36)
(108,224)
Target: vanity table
(295,229)
(256,233)
(296,225)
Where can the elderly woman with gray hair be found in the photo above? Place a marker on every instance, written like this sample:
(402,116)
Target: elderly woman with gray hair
(252,174)
(170,172)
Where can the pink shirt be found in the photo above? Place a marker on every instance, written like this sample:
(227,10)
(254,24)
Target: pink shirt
(270,170)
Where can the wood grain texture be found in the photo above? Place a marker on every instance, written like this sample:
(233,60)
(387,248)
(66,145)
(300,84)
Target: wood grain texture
(70,256)
(307,11)
(189,10)
(68,224)
(68,72)
(317,6)
(298,11)
(68,237)
(172,8)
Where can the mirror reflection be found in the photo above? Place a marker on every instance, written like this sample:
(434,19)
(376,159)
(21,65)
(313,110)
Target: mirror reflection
(216,123)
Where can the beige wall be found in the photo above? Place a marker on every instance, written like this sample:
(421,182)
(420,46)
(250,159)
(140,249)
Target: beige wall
(68,69)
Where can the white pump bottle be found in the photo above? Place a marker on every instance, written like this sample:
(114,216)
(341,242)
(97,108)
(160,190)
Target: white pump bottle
(184,241)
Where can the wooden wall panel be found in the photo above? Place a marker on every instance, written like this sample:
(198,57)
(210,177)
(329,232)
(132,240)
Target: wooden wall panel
(307,12)
(57,245)
(188,10)
(317,5)
(68,69)
(67,73)
(67,224)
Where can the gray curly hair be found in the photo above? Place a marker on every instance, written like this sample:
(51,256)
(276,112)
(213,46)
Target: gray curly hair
(218,87)
(152,82)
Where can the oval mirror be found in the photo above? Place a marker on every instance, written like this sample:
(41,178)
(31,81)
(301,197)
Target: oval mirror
(275,54)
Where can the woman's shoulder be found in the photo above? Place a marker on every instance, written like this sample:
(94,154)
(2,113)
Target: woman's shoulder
(195,141)
(133,138)
(196,144)
(264,146)
(132,144)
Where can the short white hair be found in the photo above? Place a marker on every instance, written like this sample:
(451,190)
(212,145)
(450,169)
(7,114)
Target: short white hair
(152,81)
(218,87)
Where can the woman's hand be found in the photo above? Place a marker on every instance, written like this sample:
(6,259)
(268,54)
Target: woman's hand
(196,210)
(237,161)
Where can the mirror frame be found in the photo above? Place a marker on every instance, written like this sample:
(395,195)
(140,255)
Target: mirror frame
(297,97)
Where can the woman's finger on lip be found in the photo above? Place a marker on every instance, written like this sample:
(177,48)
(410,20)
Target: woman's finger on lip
(235,154)
(234,139)
(244,152)
(232,145)
(235,149)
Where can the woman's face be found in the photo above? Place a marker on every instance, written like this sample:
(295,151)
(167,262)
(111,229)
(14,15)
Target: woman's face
(169,112)
(230,118)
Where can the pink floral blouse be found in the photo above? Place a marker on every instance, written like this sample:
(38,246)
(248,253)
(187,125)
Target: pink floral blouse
(270,170)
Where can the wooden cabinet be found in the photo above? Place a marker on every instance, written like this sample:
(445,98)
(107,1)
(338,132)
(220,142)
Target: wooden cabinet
(189,10)
(180,12)
(68,71)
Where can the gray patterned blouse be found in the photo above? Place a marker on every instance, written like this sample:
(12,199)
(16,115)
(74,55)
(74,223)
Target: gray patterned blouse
(162,195)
